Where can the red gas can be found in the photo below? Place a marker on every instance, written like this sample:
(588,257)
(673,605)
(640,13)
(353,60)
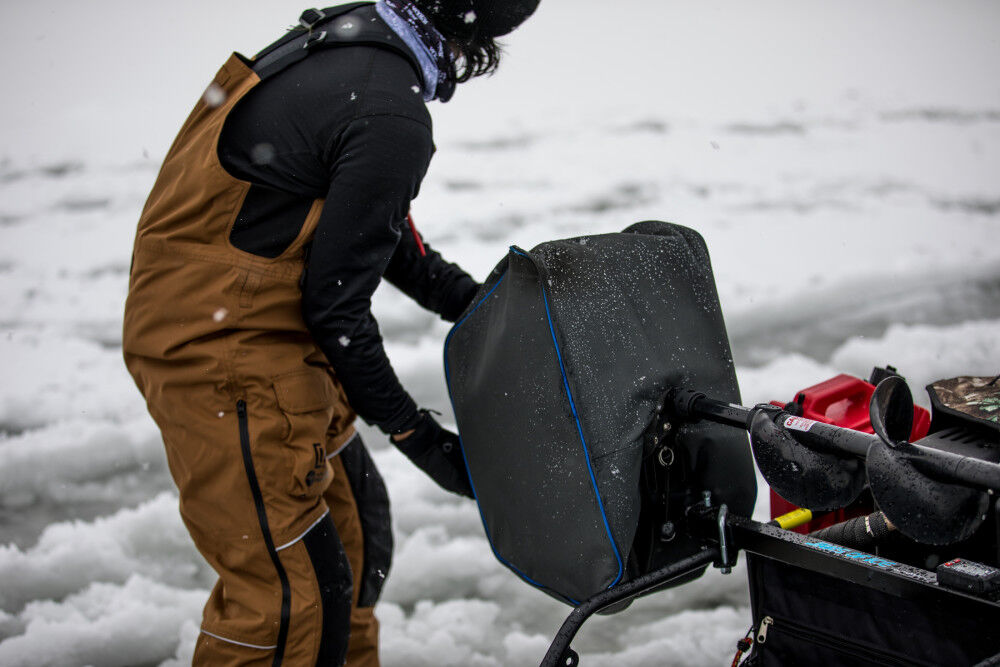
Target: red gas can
(842,401)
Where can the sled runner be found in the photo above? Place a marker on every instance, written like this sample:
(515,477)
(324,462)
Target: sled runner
(602,428)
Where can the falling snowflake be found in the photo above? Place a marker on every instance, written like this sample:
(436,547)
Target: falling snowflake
(347,27)
(344,341)
(220,314)
(470,17)
(354,96)
(262,153)
(415,89)
(214,95)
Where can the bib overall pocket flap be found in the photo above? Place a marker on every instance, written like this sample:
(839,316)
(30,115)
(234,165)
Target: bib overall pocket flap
(304,391)
(306,401)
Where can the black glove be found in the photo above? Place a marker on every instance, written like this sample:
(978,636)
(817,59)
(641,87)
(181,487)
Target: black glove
(460,299)
(438,452)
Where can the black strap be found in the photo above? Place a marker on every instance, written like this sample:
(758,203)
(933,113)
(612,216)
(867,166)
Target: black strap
(303,27)
(354,23)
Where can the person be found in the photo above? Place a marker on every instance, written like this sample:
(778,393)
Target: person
(279,208)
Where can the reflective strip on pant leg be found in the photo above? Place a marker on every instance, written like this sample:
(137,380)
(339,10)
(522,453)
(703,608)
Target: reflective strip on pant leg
(341,448)
(304,532)
(233,641)
(258,499)
(333,575)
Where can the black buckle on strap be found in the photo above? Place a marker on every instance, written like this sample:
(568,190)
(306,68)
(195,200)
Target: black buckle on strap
(313,39)
(311,17)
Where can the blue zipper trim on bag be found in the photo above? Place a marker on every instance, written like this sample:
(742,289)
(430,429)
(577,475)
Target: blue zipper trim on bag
(579,429)
(447,378)
(579,426)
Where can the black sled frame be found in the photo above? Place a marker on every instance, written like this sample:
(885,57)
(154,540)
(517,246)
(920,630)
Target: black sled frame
(860,608)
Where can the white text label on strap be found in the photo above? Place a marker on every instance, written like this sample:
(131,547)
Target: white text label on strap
(799,423)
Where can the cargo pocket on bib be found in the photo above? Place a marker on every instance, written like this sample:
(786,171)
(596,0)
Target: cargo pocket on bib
(306,401)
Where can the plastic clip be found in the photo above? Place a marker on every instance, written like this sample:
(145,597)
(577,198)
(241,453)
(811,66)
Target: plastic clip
(726,561)
(311,17)
(314,39)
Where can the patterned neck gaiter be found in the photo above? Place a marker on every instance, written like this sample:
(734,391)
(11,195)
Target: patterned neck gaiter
(426,43)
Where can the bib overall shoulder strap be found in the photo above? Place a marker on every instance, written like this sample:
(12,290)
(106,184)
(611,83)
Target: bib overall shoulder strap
(354,23)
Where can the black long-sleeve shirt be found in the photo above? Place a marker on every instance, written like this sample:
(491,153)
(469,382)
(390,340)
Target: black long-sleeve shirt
(349,125)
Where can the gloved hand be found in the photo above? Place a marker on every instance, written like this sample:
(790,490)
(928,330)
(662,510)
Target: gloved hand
(462,297)
(438,452)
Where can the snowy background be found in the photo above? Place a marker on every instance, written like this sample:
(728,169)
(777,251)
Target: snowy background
(841,159)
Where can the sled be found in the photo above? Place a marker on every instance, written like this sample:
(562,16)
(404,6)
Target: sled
(820,602)
(608,449)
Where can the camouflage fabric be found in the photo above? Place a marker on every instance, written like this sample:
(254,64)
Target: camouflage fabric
(977,397)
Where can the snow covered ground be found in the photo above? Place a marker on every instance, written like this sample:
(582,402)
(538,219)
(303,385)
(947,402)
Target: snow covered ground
(841,159)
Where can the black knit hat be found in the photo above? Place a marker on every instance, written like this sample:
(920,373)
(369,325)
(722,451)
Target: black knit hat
(490,18)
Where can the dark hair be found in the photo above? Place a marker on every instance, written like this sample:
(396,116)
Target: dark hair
(477,55)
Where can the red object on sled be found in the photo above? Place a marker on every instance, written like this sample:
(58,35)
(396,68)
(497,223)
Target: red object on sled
(841,401)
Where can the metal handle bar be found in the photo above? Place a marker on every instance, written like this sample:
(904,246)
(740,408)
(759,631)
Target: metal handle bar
(945,466)
(561,655)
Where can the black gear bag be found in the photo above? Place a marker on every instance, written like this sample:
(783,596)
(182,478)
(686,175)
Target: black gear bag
(556,372)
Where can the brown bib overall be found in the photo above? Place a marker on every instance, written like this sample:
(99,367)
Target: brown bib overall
(251,416)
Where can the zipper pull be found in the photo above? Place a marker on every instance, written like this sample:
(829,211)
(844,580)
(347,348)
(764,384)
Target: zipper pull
(765,623)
